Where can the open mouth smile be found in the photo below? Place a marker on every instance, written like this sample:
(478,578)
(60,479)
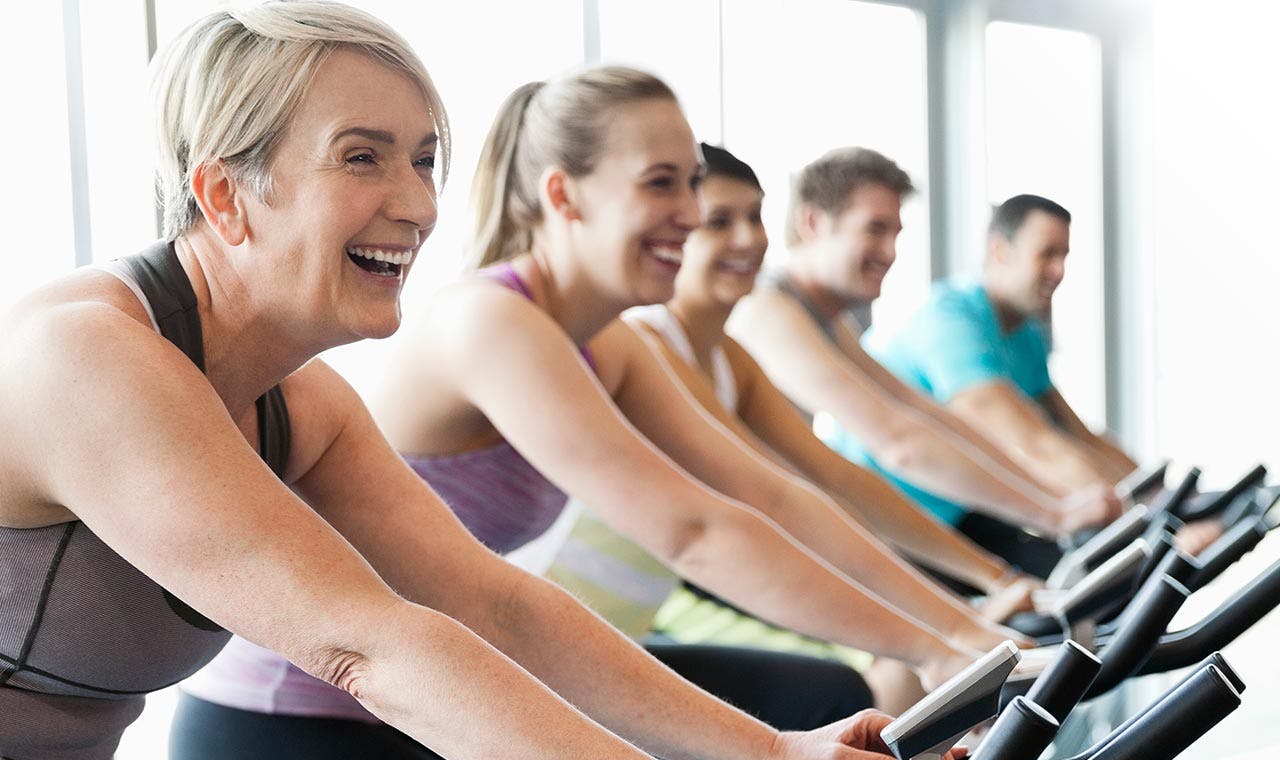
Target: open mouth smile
(379,262)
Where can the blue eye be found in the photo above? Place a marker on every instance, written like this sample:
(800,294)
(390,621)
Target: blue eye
(426,162)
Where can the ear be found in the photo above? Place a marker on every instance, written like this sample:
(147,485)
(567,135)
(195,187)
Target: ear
(997,247)
(808,220)
(217,195)
(560,194)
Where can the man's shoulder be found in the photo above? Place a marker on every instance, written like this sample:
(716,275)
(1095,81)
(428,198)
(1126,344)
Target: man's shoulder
(951,304)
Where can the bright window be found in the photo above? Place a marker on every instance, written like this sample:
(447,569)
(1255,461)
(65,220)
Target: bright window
(803,77)
(35,198)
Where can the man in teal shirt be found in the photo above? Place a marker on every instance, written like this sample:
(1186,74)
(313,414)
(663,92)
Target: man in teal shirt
(981,348)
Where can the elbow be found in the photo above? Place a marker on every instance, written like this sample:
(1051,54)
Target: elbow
(340,667)
(685,543)
(900,451)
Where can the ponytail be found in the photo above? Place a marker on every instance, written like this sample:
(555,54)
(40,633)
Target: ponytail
(559,123)
(495,232)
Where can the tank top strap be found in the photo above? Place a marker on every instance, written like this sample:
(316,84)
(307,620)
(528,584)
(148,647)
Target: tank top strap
(159,275)
(508,277)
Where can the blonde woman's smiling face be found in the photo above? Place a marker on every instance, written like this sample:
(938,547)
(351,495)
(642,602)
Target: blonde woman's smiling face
(352,198)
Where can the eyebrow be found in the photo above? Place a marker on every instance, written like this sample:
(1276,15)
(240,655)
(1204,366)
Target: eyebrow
(671,167)
(382,136)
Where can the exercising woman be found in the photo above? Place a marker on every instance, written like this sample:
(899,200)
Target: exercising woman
(179,467)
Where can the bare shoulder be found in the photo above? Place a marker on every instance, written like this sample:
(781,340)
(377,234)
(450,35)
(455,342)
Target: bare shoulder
(478,312)
(70,358)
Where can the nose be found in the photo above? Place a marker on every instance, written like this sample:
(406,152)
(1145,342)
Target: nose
(689,212)
(1056,270)
(748,236)
(411,198)
(889,252)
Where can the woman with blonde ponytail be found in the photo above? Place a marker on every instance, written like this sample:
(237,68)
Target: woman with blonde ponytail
(519,385)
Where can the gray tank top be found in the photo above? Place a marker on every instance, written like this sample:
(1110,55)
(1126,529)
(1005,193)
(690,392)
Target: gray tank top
(84,634)
(859,313)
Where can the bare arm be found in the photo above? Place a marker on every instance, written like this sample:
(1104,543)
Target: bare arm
(422,550)
(771,416)
(800,360)
(1001,411)
(1107,455)
(940,415)
(661,407)
(144,453)
(565,423)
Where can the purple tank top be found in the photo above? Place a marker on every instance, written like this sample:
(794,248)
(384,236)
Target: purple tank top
(501,498)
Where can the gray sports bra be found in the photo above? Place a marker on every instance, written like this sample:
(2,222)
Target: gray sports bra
(84,634)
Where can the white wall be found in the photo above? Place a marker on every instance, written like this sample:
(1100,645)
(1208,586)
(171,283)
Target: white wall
(1216,262)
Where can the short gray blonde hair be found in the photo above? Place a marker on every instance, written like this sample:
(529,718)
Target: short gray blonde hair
(228,85)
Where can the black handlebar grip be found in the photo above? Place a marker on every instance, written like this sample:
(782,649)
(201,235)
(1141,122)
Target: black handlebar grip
(1137,630)
(1065,681)
(1023,730)
(1173,501)
(1228,549)
(1219,503)
(1220,627)
(1216,659)
(1177,721)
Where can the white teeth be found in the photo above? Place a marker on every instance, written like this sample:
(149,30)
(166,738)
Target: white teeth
(377,254)
(669,255)
(740,267)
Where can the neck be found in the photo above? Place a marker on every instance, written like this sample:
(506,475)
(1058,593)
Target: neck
(825,301)
(703,323)
(566,294)
(246,350)
(1010,318)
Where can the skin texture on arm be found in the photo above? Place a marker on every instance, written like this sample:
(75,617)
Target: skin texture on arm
(940,415)
(659,405)
(145,454)
(800,360)
(1004,414)
(772,417)
(422,550)
(596,454)
(1107,455)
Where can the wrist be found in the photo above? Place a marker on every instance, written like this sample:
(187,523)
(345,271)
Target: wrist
(1003,576)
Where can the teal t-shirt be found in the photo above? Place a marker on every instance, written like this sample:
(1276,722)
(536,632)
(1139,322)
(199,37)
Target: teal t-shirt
(955,342)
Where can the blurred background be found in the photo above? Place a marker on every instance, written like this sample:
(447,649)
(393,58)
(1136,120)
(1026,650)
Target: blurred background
(1148,119)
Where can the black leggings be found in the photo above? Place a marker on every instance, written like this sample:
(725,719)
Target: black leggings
(791,692)
(787,691)
(204,731)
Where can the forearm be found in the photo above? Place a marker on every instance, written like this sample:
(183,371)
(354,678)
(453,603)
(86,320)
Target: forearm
(1043,481)
(440,683)
(1062,458)
(750,561)
(887,512)
(831,534)
(615,681)
(1110,458)
(812,518)
(939,463)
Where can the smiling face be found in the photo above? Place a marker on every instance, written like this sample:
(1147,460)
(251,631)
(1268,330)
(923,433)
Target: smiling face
(352,198)
(724,255)
(1024,272)
(853,250)
(633,212)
